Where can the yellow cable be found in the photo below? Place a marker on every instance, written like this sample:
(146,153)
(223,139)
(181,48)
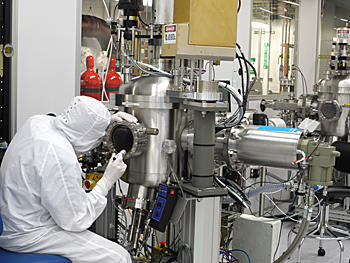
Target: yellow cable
(157,240)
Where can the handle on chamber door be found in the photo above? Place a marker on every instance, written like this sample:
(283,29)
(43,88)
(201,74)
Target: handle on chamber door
(260,119)
(152,131)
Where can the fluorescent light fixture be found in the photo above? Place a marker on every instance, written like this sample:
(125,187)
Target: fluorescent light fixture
(260,25)
(291,3)
(265,10)
(344,20)
(287,17)
(147,2)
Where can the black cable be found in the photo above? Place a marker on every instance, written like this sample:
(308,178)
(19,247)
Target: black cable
(318,144)
(255,74)
(235,193)
(245,94)
(239,6)
(143,22)
(292,178)
(213,72)
(115,8)
(242,77)
(279,241)
(232,121)
(247,74)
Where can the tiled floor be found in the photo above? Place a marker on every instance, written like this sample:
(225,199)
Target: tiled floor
(310,247)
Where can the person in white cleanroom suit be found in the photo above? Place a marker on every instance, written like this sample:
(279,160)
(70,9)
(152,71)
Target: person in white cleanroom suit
(42,203)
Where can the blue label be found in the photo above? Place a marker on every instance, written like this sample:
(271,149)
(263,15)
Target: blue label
(158,209)
(279,129)
(163,190)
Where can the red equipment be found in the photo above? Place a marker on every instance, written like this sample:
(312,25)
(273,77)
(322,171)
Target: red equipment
(113,79)
(90,81)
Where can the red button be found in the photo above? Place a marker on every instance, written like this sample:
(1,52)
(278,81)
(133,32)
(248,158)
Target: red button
(156,214)
(87,184)
(172,192)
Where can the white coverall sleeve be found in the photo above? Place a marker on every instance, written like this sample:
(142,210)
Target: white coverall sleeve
(62,193)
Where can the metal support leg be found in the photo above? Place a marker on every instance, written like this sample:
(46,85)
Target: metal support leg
(299,250)
(316,229)
(320,244)
(341,245)
(338,230)
(262,197)
(321,252)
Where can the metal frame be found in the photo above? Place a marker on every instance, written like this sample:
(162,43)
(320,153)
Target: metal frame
(5,80)
(200,229)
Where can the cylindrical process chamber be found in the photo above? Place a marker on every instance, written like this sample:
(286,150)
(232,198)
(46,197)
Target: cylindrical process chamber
(264,146)
(325,88)
(334,97)
(253,145)
(146,98)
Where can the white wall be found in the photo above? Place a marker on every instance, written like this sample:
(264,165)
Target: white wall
(46,38)
(308,36)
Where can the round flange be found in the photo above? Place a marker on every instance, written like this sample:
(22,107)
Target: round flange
(131,137)
(330,110)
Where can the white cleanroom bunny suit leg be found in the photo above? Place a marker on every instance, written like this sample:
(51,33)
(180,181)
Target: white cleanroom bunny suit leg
(43,206)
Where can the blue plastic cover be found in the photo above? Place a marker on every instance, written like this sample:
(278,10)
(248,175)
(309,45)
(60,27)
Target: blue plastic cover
(1,226)
(278,129)
(10,257)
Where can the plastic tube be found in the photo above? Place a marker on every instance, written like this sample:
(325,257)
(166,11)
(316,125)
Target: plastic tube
(134,63)
(302,159)
(264,189)
(156,69)
(232,91)
(107,11)
(104,75)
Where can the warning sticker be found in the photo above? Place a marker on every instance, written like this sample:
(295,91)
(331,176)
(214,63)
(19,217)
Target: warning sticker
(170,34)
(343,33)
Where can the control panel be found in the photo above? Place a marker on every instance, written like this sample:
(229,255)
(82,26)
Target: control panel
(163,209)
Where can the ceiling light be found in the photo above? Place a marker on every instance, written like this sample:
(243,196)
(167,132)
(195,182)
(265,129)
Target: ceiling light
(265,10)
(291,3)
(147,2)
(287,17)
